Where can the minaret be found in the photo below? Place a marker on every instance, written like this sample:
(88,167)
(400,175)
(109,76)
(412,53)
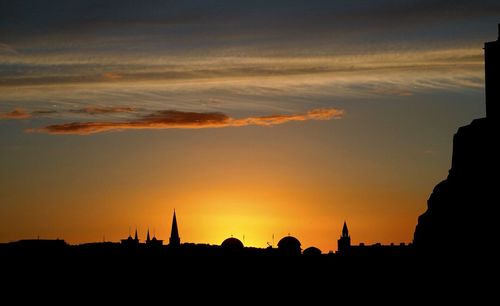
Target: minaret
(492,77)
(344,243)
(175,240)
(148,239)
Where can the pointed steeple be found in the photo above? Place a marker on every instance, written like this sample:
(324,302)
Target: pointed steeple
(344,243)
(345,231)
(148,239)
(175,240)
(136,237)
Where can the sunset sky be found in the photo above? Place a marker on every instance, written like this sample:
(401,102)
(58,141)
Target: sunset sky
(250,118)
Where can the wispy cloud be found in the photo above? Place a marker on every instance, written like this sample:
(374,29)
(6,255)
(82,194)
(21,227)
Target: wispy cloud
(43,112)
(113,76)
(17,113)
(96,110)
(20,113)
(425,66)
(7,49)
(172,119)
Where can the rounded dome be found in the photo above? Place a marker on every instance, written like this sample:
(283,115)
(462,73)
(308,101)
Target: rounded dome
(290,245)
(232,243)
(312,251)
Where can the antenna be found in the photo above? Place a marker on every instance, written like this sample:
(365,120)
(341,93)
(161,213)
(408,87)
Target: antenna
(273,241)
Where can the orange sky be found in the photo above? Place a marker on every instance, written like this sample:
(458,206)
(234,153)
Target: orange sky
(249,118)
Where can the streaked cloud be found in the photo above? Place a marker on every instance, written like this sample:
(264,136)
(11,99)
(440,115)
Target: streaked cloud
(113,76)
(170,83)
(96,110)
(172,119)
(7,49)
(20,113)
(258,57)
(17,113)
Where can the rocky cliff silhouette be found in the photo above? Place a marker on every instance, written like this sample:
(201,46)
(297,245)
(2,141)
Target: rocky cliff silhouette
(461,211)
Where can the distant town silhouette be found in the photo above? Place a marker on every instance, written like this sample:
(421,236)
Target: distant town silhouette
(459,220)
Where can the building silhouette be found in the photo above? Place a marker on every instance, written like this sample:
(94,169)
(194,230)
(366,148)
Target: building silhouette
(232,246)
(153,242)
(174,240)
(344,243)
(289,245)
(131,242)
(467,198)
(312,251)
(344,247)
(492,77)
(232,243)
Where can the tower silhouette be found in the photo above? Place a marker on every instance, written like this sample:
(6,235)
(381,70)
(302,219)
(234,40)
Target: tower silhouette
(175,240)
(344,243)
(136,237)
(467,198)
(492,77)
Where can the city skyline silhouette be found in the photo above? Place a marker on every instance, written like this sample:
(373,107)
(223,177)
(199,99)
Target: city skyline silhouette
(255,136)
(434,233)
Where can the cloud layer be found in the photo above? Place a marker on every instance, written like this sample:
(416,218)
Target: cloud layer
(20,113)
(172,119)
(17,113)
(96,110)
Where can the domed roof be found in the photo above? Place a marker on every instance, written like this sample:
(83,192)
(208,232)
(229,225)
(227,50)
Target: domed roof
(290,245)
(312,251)
(288,241)
(232,243)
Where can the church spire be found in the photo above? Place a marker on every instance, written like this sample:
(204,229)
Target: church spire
(345,231)
(344,243)
(136,237)
(175,240)
(148,239)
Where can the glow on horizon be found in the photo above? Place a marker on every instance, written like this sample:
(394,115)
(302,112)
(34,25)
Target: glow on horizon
(401,84)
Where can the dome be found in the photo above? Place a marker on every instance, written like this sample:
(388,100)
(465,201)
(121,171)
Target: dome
(232,244)
(289,245)
(312,251)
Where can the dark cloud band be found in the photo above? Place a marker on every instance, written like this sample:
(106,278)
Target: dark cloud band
(171,119)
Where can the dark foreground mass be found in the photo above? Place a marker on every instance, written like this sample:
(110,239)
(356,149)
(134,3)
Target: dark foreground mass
(257,274)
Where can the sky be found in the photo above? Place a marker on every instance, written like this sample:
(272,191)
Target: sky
(251,119)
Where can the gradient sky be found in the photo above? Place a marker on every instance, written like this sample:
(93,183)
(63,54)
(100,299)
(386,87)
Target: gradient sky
(250,118)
